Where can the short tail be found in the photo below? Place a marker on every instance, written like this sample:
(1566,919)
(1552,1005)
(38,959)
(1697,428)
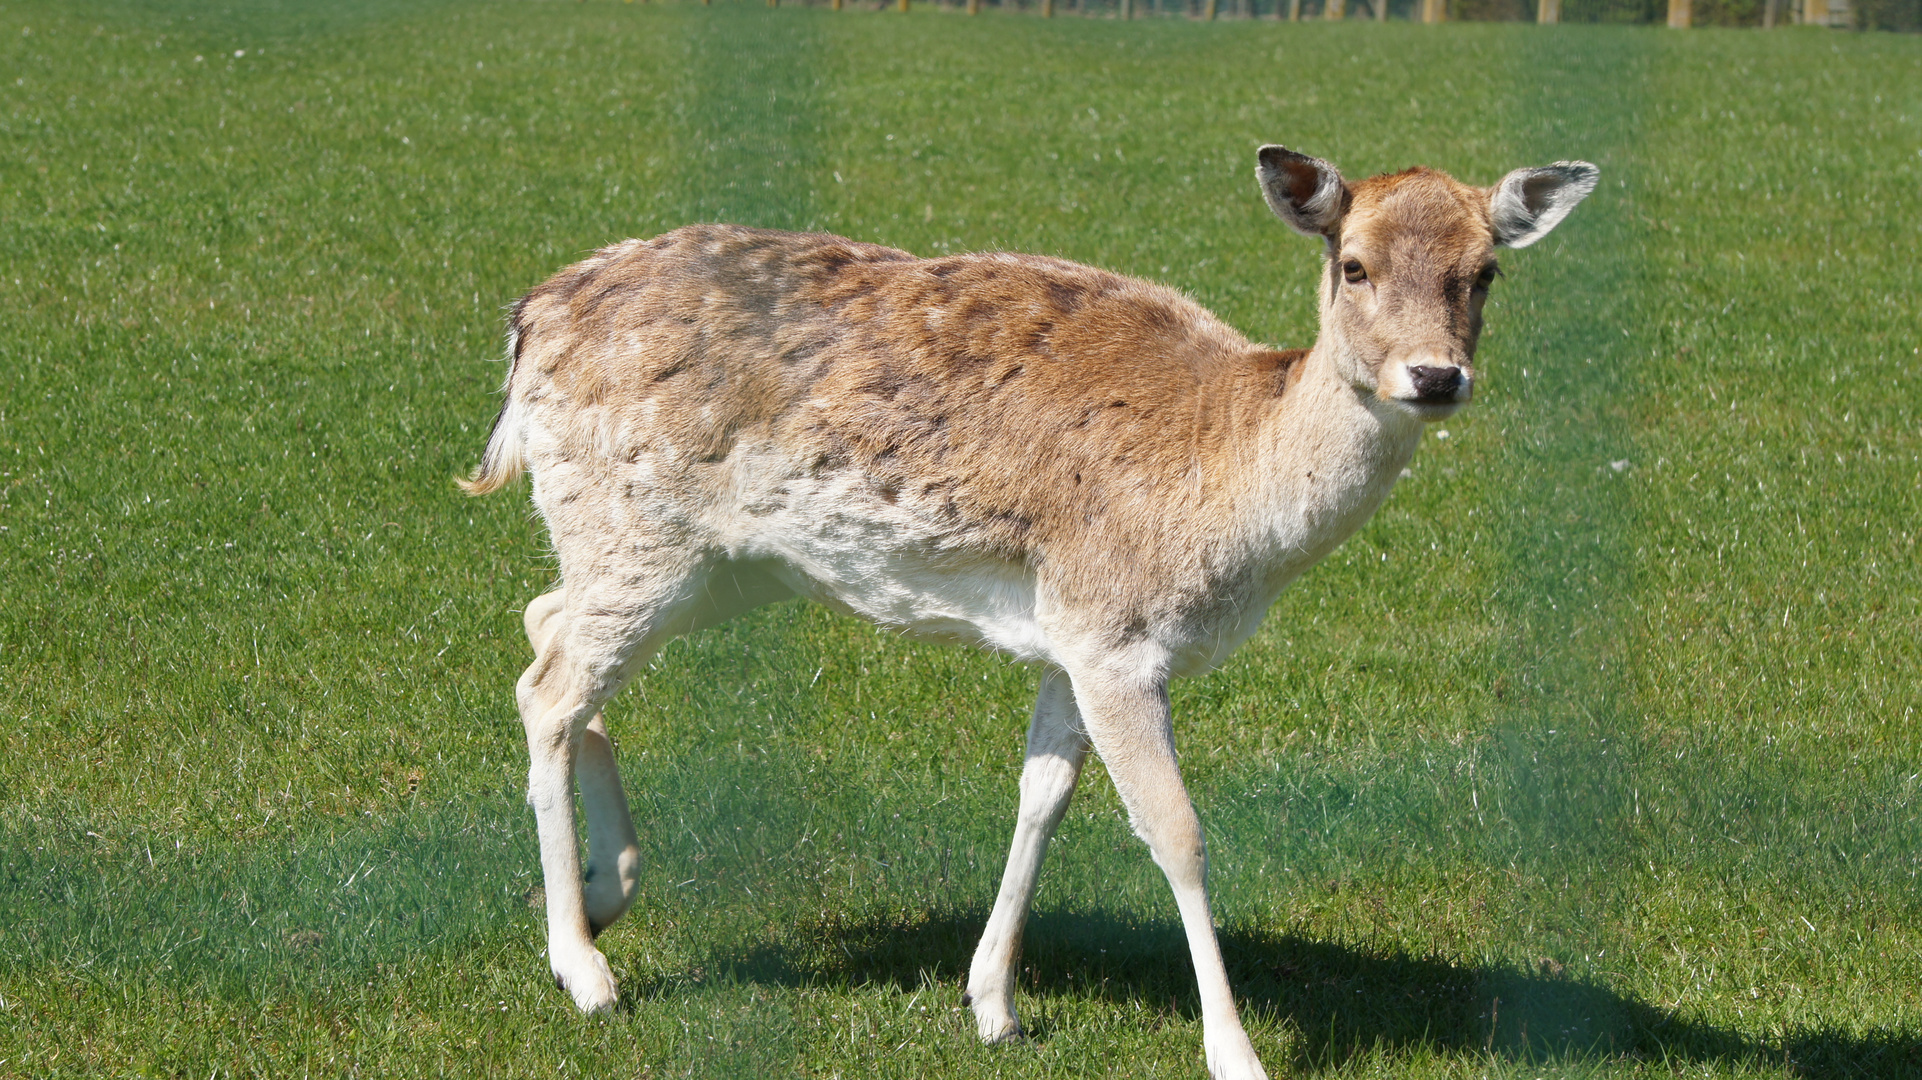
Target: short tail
(505,457)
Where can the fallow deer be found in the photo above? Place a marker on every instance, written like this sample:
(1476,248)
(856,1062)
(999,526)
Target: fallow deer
(1077,469)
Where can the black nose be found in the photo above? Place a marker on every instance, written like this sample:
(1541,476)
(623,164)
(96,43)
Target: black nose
(1436,383)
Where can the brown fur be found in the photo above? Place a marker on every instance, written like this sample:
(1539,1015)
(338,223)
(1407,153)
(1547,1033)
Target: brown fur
(921,375)
(1429,234)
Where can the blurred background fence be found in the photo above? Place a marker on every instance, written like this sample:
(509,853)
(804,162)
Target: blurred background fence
(1898,15)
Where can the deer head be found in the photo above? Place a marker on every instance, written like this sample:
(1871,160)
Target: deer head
(1409,262)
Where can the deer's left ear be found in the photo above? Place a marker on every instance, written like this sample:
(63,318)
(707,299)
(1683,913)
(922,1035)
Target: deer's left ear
(1530,202)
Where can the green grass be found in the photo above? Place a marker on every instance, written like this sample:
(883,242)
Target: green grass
(1557,769)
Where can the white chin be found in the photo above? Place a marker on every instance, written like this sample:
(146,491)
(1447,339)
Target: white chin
(1429,411)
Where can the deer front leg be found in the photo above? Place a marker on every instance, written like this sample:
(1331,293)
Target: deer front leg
(1056,749)
(1128,721)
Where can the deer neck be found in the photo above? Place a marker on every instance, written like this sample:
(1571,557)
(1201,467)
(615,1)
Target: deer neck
(1330,454)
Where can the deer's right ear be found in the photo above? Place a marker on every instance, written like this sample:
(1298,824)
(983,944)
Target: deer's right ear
(1307,193)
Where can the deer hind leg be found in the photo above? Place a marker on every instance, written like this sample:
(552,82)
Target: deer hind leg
(613,849)
(604,630)
(1056,749)
(1127,719)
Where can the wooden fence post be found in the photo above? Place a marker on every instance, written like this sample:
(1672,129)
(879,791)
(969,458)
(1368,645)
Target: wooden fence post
(1768,14)
(1336,10)
(1209,12)
(1549,12)
(1679,14)
(1127,9)
(1294,10)
(1434,11)
(1047,9)
(1381,10)
(1815,12)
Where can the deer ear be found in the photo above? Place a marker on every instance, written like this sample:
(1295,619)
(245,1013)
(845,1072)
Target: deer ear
(1307,193)
(1530,202)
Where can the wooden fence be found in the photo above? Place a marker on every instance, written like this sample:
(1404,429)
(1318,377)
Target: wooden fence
(1901,15)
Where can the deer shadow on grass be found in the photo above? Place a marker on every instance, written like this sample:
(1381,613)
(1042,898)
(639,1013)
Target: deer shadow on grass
(1343,1000)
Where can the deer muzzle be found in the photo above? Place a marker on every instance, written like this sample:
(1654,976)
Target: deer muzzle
(1428,385)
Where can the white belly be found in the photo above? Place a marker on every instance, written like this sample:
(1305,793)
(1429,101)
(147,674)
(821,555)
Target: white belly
(834,542)
(986,605)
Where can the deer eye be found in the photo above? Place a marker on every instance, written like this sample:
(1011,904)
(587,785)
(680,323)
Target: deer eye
(1352,272)
(1487,277)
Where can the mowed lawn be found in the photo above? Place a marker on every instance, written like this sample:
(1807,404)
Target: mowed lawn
(1595,754)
